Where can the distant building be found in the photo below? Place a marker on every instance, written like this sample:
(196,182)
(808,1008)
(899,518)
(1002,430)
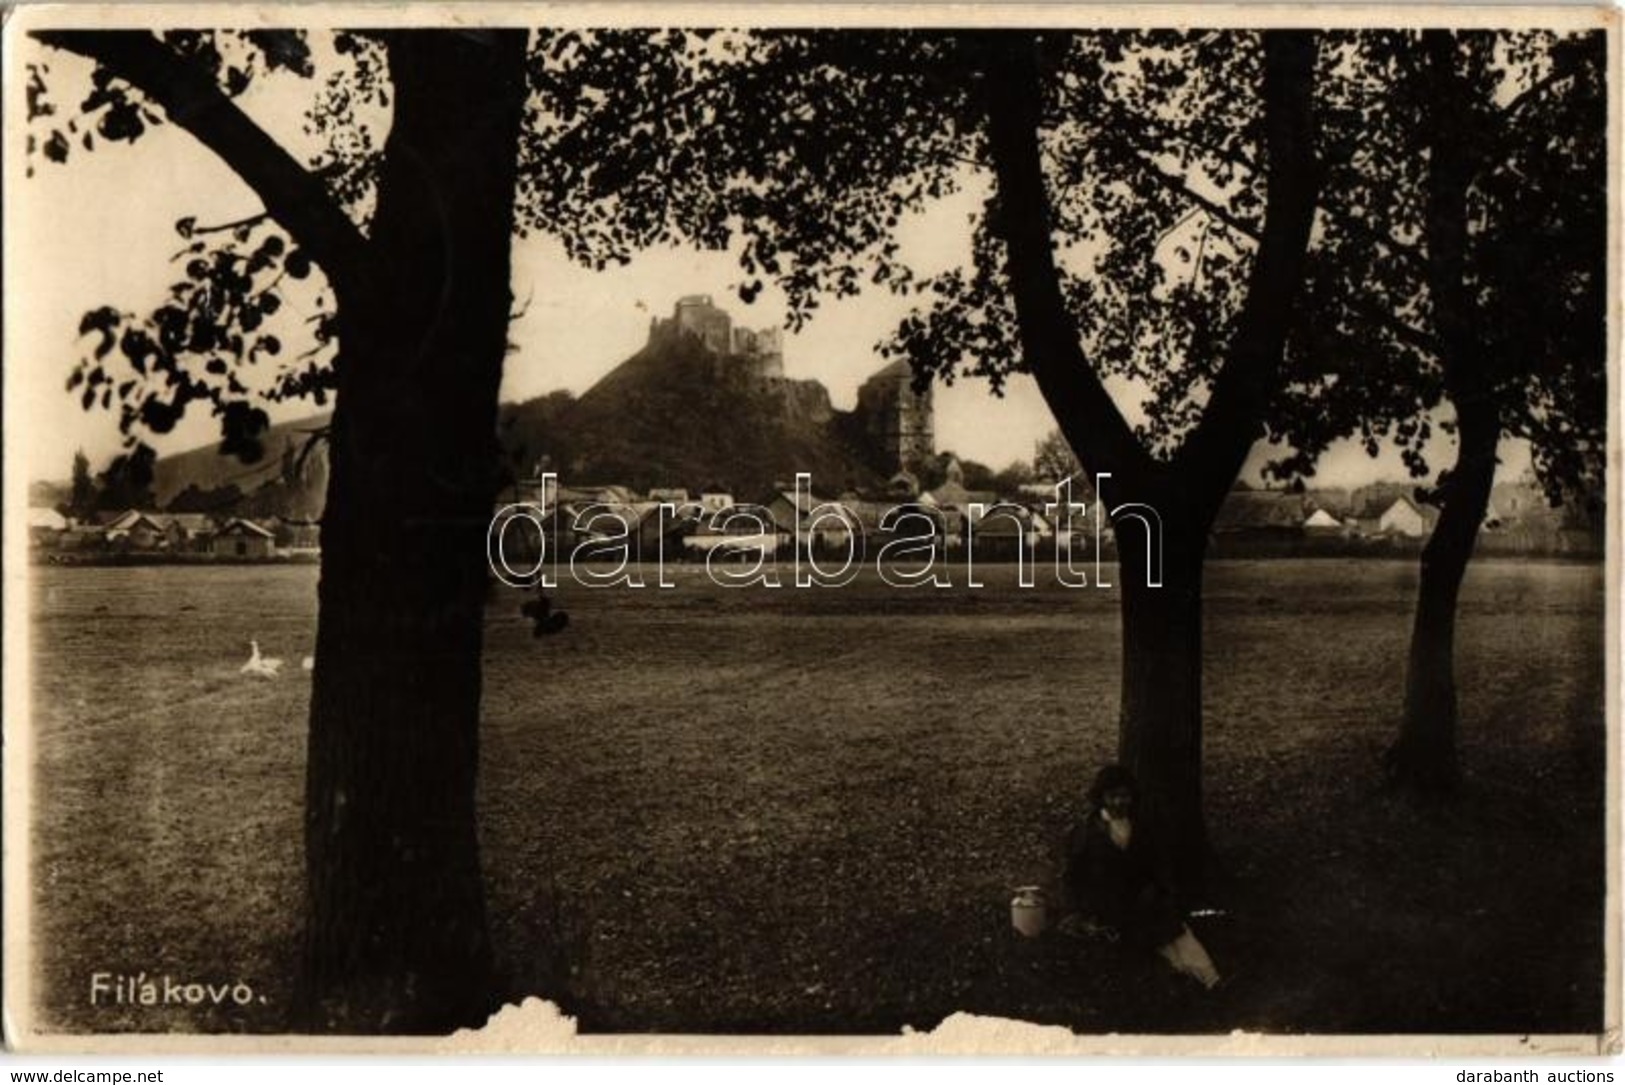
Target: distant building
(737,535)
(610,520)
(660,536)
(136,530)
(710,325)
(952,494)
(892,425)
(296,535)
(1002,530)
(716,501)
(1261,513)
(1403,518)
(793,514)
(242,539)
(82,537)
(1322,523)
(188,530)
(896,420)
(598,493)
(765,346)
(1369,503)
(903,484)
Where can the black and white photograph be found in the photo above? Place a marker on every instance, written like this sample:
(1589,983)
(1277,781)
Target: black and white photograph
(740,524)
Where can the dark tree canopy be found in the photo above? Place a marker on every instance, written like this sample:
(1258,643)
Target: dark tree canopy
(1366,356)
(225,338)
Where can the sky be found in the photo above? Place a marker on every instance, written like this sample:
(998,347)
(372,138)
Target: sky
(100,230)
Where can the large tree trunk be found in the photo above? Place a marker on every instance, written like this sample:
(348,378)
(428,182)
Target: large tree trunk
(396,937)
(1424,756)
(1160,719)
(1160,737)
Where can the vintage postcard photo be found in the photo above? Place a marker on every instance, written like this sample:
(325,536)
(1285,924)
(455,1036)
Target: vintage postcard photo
(737,527)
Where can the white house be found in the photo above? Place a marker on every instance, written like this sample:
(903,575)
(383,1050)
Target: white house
(1403,518)
(46,519)
(716,502)
(45,526)
(1322,522)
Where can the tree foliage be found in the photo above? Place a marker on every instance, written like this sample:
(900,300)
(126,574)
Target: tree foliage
(1053,458)
(230,335)
(82,490)
(1366,356)
(802,150)
(127,482)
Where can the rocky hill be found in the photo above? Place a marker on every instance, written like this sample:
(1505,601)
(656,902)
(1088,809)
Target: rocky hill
(288,480)
(674,414)
(677,414)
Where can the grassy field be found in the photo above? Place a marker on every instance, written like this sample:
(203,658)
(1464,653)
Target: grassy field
(803,811)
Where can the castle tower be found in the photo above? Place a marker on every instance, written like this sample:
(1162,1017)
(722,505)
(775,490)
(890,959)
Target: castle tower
(897,420)
(770,349)
(759,352)
(712,326)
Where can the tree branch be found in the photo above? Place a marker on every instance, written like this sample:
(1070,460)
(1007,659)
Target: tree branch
(1405,333)
(191,99)
(1112,119)
(1452,163)
(1085,411)
(1502,127)
(1118,122)
(1566,64)
(1232,420)
(250,220)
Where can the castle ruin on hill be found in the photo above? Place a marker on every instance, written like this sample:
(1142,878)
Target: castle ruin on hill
(758,351)
(893,422)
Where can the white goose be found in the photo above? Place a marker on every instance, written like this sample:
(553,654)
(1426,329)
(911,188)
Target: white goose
(264,666)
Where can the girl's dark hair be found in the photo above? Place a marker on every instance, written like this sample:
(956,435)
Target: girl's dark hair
(1111,778)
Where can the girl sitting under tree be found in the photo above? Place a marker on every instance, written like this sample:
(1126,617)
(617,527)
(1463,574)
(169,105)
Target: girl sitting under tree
(1111,879)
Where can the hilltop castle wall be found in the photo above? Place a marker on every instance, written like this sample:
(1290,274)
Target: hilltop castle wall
(893,422)
(757,351)
(806,399)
